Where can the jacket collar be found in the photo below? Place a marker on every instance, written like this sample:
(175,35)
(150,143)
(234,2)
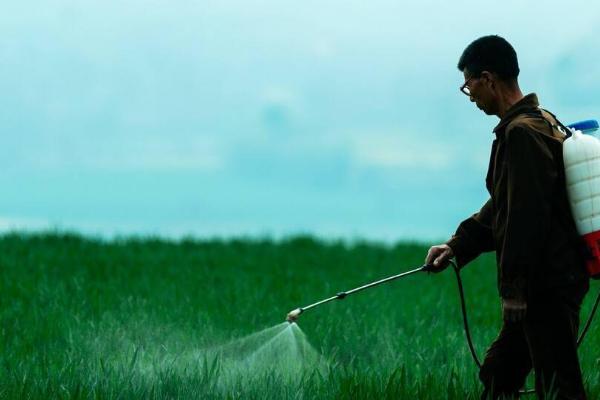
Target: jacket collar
(526,104)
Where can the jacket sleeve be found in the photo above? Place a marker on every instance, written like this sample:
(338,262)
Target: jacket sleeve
(529,173)
(473,236)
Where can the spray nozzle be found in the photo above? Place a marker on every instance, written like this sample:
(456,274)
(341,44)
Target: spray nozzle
(293,315)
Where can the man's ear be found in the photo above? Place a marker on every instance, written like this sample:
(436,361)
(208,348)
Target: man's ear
(489,78)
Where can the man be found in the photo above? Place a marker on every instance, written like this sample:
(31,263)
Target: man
(527,220)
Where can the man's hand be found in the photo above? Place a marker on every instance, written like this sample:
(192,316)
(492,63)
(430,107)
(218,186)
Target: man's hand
(513,310)
(438,256)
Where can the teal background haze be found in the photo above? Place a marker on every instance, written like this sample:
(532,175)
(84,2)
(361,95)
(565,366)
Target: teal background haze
(219,118)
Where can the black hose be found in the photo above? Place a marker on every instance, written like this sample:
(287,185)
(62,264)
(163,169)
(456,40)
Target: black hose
(464,313)
(589,321)
(468,333)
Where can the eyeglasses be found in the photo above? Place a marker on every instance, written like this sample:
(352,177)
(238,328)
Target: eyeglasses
(465,87)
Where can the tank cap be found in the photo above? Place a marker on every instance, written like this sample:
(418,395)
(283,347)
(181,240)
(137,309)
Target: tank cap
(585,126)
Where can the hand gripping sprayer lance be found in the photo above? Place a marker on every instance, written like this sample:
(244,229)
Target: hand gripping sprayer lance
(294,314)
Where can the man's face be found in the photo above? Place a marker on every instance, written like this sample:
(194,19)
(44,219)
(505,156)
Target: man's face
(481,91)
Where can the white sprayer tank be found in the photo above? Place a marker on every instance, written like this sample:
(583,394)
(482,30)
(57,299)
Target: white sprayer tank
(581,154)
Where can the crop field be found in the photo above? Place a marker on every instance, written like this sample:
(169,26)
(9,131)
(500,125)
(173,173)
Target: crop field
(83,318)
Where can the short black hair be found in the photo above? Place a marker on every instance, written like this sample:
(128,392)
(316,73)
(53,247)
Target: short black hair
(490,53)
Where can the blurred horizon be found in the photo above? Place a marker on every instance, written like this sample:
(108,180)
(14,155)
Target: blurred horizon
(263,118)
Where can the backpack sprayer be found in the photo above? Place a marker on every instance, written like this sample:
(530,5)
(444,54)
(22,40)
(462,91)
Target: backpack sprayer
(581,155)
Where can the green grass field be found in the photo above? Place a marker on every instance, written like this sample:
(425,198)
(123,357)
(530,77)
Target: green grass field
(133,318)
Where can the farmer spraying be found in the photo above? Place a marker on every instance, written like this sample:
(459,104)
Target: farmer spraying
(542,277)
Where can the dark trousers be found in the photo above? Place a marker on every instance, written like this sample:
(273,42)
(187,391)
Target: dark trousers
(546,340)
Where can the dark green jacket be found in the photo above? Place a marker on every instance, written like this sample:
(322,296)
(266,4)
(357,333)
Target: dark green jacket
(527,219)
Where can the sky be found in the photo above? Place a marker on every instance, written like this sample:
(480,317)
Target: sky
(340,119)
